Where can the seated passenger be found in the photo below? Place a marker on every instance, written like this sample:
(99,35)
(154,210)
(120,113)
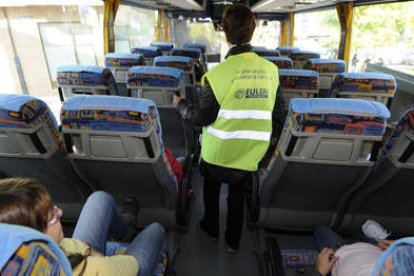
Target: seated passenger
(363,258)
(98,221)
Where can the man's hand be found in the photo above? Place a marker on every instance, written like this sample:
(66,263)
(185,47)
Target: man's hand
(325,261)
(176,99)
(384,244)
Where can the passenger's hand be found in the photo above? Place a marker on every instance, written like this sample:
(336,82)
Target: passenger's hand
(384,244)
(325,261)
(176,99)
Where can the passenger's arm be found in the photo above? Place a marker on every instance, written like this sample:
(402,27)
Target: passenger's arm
(203,114)
(325,261)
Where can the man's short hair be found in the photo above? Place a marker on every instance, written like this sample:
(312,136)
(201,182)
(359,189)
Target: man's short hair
(238,24)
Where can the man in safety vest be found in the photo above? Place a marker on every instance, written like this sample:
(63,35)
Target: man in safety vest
(241,111)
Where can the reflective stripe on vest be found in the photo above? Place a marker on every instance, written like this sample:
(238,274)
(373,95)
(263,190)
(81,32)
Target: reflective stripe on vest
(245,87)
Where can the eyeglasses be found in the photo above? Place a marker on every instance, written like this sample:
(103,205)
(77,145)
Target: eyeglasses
(57,214)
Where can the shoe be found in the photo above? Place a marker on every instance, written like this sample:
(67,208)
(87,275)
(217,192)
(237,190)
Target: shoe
(232,250)
(205,233)
(374,230)
(130,211)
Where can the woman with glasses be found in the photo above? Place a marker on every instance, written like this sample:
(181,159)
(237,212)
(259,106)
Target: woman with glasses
(98,221)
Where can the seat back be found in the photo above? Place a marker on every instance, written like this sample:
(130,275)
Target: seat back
(285,51)
(325,151)
(369,86)
(80,80)
(281,62)
(299,57)
(115,142)
(165,47)
(25,251)
(387,196)
(31,146)
(327,69)
(262,51)
(149,53)
(119,65)
(159,84)
(202,48)
(298,84)
(200,68)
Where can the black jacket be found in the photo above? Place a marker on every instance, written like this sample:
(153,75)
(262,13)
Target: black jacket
(205,113)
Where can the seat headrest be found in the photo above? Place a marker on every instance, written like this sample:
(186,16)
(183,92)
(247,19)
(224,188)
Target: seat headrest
(301,55)
(286,50)
(336,115)
(265,52)
(365,83)
(193,53)
(123,60)
(163,46)
(200,46)
(281,62)
(153,76)
(147,51)
(324,65)
(405,123)
(299,79)
(183,63)
(84,75)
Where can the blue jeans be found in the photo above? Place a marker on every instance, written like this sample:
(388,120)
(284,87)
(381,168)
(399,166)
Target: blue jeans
(100,219)
(325,237)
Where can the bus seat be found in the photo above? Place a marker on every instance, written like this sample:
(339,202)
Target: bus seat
(31,146)
(281,62)
(387,195)
(300,57)
(183,63)
(262,51)
(200,68)
(119,65)
(296,83)
(25,251)
(116,143)
(149,53)
(159,84)
(285,51)
(369,86)
(327,69)
(165,47)
(202,48)
(324,152)
(81,79)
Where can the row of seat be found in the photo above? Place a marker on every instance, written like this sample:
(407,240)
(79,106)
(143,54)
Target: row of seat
(106,143)
(326,169)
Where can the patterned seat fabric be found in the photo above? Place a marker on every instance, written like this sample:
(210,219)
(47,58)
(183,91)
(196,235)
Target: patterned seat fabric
(183,63)
(155,76)
(406,123)
(299,79)
(299,55)
(194,53)
(326,65)
(147,51)
(281,62)
(111,113)
(364,83)
(31,259)
(339,116)
(200,46)
(286,50)
(84,75)
(163,46)
(265,52)
(27,112)
(123,60)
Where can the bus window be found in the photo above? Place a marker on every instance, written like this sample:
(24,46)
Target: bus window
(385,41)
(266,34)
(319,32)
(134,26)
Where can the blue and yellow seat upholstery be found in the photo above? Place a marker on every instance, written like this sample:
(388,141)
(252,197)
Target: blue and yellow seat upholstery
(296,83)
(31,146)
(261,51)
(327,69)
(116,143)
(200,46)
(300,57)
(281,62)
(165,47)
(24,251)
(386,195)
(119,63)
(81,79)
(200,67)
(326,150)
(370,86)
(149,53)
(285,51)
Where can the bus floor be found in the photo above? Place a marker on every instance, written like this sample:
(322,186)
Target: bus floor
(198,255)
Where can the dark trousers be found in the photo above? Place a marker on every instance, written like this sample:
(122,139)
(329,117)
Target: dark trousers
(238,181)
